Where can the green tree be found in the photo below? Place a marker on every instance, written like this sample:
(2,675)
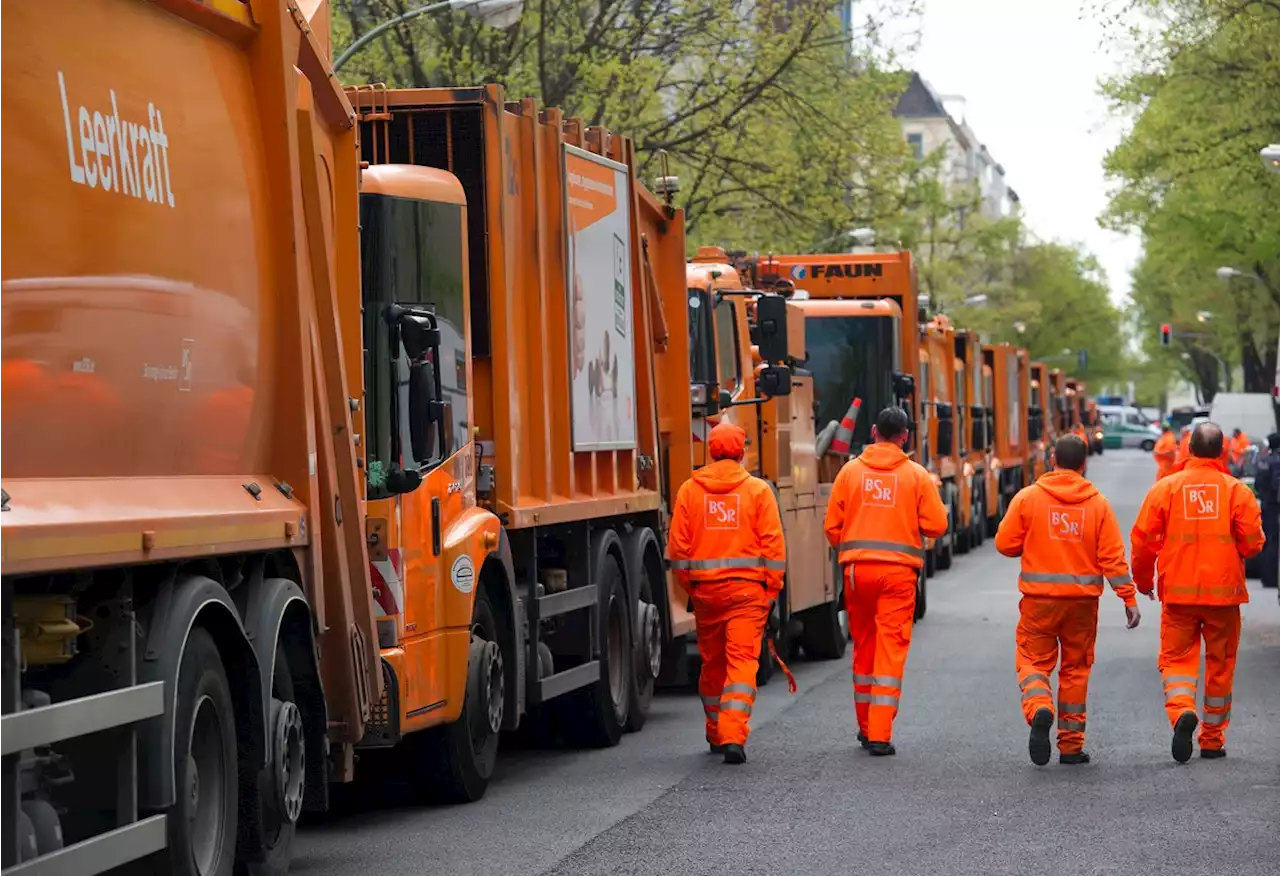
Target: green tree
(1201,93)
(761,109)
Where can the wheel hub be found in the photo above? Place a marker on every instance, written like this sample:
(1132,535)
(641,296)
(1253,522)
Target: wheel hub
(649,634)
(288,758)
(488,682)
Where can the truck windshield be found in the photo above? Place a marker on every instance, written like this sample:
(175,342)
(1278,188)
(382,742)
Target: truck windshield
(410,253)
(851,357)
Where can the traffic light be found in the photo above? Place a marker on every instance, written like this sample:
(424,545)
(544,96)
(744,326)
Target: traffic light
(1166,334)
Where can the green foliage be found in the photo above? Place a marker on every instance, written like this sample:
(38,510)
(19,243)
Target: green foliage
(1203,98)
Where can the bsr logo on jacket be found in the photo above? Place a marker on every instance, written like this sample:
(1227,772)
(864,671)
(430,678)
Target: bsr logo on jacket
(1200,501)
(879,489)
(721,512)
(1066,524)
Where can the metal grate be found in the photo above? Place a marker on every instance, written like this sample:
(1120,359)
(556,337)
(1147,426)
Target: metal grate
(383,726)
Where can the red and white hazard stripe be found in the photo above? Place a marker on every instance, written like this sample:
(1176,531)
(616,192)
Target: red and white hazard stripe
(388,591)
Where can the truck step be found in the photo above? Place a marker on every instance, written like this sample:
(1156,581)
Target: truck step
(570,679)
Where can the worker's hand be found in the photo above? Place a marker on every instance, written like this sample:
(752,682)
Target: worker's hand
(1132,616)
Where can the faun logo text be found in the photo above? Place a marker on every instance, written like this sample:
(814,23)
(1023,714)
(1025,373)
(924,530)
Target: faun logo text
(117,155)
(851,271)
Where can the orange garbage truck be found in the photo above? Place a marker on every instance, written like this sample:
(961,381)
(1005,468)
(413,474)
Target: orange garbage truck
(737,379)
(975,422)
(941,401)
(304,459)
(1039,418)
(1011,385)
(862,341)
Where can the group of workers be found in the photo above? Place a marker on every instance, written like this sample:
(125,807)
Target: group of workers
(1198,524)
(1171,453)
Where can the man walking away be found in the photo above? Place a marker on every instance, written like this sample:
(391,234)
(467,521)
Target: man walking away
(1239,446)
(880,505)
(728,553)
(1067,536)
(1266,483)
(1165,451)
(1199,525)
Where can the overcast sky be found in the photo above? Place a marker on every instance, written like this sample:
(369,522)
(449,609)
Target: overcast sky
(1028,70)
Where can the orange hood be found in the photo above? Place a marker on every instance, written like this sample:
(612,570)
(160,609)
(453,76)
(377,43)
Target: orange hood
(1067,486)
(722,476)
(883,456)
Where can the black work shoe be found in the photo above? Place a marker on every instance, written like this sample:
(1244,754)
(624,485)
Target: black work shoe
(1213,753)
(1075,757)
(1038,745)
(735,754)
(1183,730)
(715,748)
(881,749)
(862,740)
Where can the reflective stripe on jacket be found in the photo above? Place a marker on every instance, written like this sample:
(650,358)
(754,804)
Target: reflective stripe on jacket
(1068,538)
(1200,524)
(881,506)
(725,526)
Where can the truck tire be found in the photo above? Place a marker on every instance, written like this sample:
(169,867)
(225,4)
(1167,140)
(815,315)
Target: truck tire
(964,534)
(597,715)
(922,595)
(978,519)
(648,621)
(276,828)
(455,761)
(202,825)
(824,637)
(945,553)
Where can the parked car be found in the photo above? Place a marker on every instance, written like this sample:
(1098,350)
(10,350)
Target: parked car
(1128,429)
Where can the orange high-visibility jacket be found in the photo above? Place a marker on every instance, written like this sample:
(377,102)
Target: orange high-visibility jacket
(880,505)
(726,526)
(1068,538)
(1184,448)
(1200,524)
(1239,446)
(1165,453)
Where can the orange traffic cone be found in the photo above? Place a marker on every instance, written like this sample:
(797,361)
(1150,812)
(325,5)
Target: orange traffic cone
(844,435)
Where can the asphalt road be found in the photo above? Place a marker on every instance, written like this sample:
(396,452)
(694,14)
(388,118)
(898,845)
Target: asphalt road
(961,797)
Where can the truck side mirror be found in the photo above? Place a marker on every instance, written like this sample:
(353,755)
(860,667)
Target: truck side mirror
(771,329)
(726,399)
(417,391)
(904,385)
(774,381)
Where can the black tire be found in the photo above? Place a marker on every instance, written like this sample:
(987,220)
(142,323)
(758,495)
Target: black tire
(596,715)
(946,554)
(979,525)
(203,822)
(931,561)
(964,537)
(922,595)
(456,760)
(1148,446)
(275,831)
(647,623)
(766,667)
(823,637)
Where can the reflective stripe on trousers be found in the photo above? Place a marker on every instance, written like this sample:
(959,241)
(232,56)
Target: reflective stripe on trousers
(730,563)
(896,547)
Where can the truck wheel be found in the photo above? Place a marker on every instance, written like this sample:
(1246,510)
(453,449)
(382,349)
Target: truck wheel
(825,637)
(922,595)
(944,554)
(979,519)
(931,561)
(963,534)
(456,760)
(202,825)
(282,785)
(766,667)
(647,635)
(597,714)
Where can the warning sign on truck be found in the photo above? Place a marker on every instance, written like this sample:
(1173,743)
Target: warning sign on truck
(597,206)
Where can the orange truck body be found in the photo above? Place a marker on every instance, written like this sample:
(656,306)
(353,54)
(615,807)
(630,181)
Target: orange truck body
(780,445)
(1039,418)
(1011,384)
(975,422)
(311,419)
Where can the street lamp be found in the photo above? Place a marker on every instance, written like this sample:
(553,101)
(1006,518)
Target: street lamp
(495,13)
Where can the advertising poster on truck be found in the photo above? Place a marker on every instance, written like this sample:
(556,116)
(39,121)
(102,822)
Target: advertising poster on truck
(597,206)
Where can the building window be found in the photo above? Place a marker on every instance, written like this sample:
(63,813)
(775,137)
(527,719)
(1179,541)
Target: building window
(916,142)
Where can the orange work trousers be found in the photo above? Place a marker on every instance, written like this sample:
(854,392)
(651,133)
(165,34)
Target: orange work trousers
(881,600)
(1181,628)
(730,616)
(1050,627)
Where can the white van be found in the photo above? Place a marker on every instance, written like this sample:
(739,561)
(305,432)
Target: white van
(1254,412)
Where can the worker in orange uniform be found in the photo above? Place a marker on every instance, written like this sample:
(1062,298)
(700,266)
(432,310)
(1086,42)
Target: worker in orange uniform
(881,504)
(1184,448)
(1199,525)
(1165,451)
(728,553)
(1239,446)
(1067,536)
